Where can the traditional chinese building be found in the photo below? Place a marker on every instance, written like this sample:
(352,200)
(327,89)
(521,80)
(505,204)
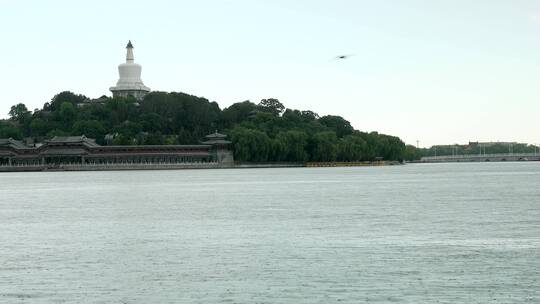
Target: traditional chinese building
(220,147)
(83,152)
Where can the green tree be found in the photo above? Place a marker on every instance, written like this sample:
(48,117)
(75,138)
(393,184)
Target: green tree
(89,128)
(19,113)
(272,106)
(63,97)
(121,108)
(412,153)
(238,112)
(38,127)
(154,139)
(309,115)
(8,130)
(337,124)
(325,146)
(151,122)
(128,128)
(123,140)
(250,145)
(352,148)
(278,150)
(67,114)
(294,145)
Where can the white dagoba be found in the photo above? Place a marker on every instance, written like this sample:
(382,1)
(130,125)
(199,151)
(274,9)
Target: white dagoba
(130,83)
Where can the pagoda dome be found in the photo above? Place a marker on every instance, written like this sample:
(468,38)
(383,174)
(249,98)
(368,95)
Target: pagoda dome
(130,76)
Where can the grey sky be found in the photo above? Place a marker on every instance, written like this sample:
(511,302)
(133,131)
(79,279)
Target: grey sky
(436,71)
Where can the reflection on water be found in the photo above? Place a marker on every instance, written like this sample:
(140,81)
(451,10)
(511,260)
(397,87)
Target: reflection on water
(436,233)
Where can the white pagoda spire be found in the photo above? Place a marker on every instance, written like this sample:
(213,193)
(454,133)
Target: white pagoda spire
(130,82)
(129,53)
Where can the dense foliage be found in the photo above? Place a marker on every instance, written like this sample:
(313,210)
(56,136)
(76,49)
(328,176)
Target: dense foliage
(264,132)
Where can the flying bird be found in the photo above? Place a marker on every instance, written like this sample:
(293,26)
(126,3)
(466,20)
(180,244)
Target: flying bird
(343,57)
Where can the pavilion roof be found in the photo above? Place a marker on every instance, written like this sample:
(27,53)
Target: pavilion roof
(73,140)
(216,135)
(216,142)
(10,142)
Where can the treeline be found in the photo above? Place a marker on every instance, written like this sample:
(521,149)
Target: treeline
(263,132)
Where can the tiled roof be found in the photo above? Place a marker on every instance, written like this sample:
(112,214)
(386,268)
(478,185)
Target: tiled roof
(216,142)
(215,135)
(73,139)
(10,142)
(67,139)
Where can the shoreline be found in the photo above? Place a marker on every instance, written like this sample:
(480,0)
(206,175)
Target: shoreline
(136,167)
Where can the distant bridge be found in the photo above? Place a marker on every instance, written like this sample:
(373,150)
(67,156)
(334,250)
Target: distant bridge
(482,158)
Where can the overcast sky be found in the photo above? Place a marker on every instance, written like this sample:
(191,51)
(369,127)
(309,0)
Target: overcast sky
(428,70)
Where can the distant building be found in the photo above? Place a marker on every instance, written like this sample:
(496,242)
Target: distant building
(494,143)
(221,150)
(130,83)
(80,151)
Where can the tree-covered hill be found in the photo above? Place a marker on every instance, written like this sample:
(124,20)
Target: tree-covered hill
(263,132)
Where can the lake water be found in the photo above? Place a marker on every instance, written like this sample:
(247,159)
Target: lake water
(427,233)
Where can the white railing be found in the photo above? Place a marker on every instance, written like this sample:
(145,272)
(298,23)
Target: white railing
(112,164)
